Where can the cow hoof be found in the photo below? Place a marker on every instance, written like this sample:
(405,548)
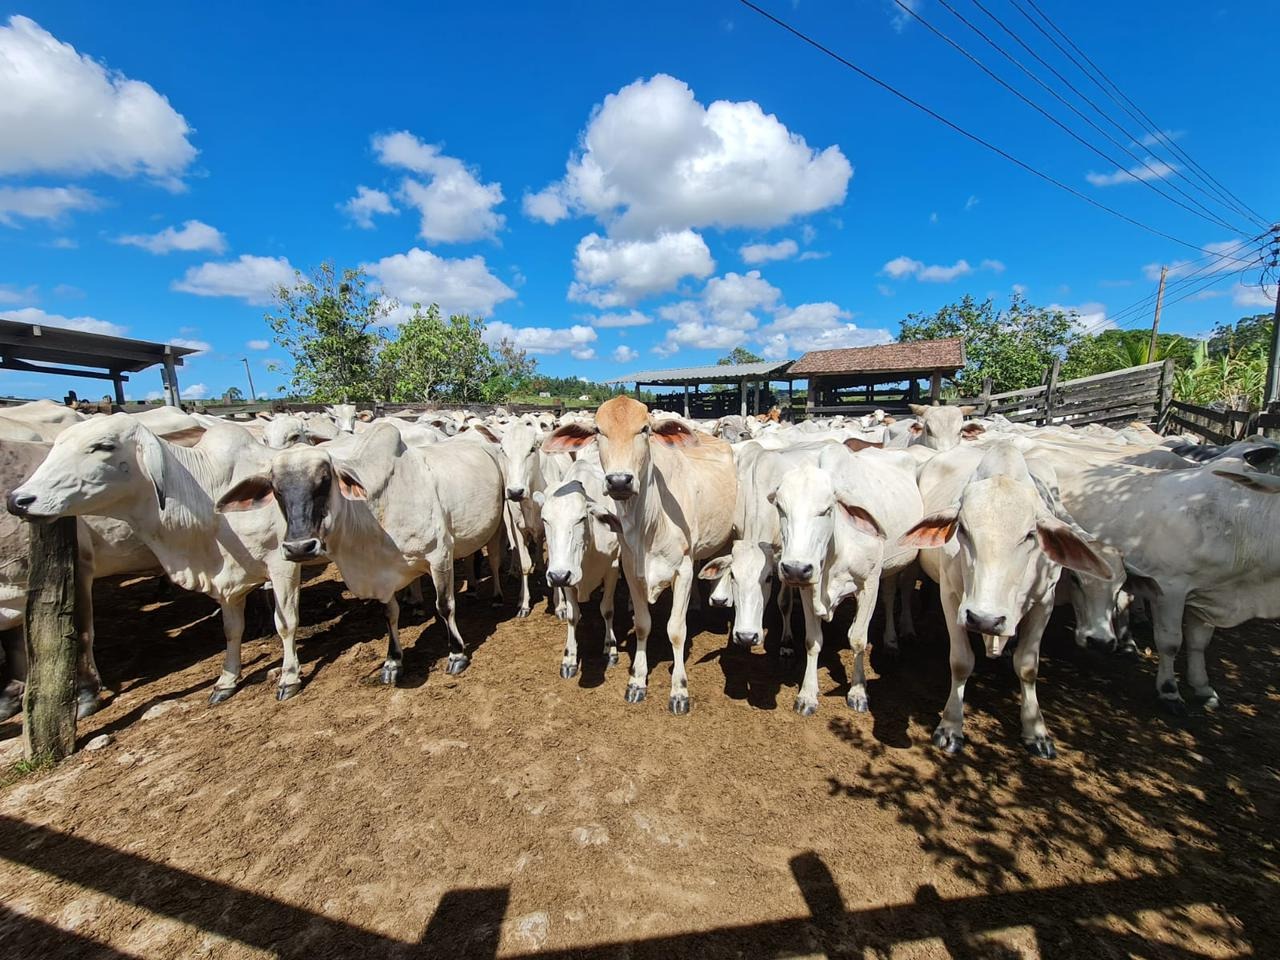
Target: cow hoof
(1174,706)
(9,707)
(498,601)
(522,612)
(678,704)
(220,695)
(806,708)
(390,673)
(287,691)
(1127,648)
(457,663)
(786,652)
(568,671)
(1101,645)
(611,659)
(1208,700)
(87,704)
(857,702)
(947,741)
(635,693)
(1041,747)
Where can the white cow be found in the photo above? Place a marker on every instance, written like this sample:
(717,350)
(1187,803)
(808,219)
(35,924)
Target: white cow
(582,552)
(835,517)
(676,491)
(521,460)
(995,548)
(386,514)
(114,466)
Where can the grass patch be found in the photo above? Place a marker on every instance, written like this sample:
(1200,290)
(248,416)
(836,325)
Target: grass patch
(22,769)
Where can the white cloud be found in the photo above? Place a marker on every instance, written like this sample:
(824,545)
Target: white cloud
(458,286)
(63,112)
(199,346)
(1250,296)
(654,159)
(67,291)
(1233,256)
(455,206)
(754,253)
(583,353)
(252,279)
(258,345)
(11,294)
(615,273)
(815,326)
(365,204)
(933,217)
(43,203)
(190,237)
(813,255)
(624,354)
(1150,139)
(1089,316)
(901,267)
(838,337)
(1151,169)
(633,318)
(83,324)
(728,303)
(940,274)
(197,391)
(1020,289)
(995,266)
(971,202)
(699,336)
(544,339)
(63,243)
(899,18)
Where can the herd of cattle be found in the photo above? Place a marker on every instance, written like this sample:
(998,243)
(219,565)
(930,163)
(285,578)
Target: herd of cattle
(1008,520)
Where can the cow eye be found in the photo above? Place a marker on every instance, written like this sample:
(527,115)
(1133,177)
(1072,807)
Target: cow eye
(1029,537)
(645,428)
(106,446)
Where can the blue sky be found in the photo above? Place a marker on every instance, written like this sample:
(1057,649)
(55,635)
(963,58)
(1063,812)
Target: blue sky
(615,186)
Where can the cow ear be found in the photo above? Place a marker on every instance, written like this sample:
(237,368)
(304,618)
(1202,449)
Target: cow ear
(608,518)
(1139,584)
(485,432)
(854,444)
(918,409)
(365,416)
(1064,546)
(971,430)
(349,484)
(539,497)
(715,568)
(933,531)
(152,454)
(1263,482)
(967,409)
(186,437)
(863,520)
(570,437)
(248,494)
(772,496)
(916,429)
(673,433)
(1260,456)
(264,415)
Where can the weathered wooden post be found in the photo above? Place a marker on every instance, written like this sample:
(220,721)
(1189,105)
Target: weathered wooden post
(1166,394)
(53,643)
(1051,384)
(984,407)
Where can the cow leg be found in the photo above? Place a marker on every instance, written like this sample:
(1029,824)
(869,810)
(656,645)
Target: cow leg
(469,577)
(807,698)
(887,589)
(442,577)
(606,611)
(569,662)
(786,604)
(682,587)
(1198,634)
(15,674)
(1124,633)
(856,698)
(526,568)
(233,629)
(638,681)
(395,655)
(906,583)
(1166,622)
(285,588)
(414,593)
(88,681)
(1026,663)
(495,567)
(949,734)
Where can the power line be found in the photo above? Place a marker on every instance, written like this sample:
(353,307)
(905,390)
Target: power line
(1131,322)
(884,85)
(1155,173)
(1125,103)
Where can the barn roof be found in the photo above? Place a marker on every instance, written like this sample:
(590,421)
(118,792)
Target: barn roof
(712,373)
(23,343)
(920,356)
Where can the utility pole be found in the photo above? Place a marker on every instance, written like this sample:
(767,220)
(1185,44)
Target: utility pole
(1155,324)
(252,393)
(1273,364)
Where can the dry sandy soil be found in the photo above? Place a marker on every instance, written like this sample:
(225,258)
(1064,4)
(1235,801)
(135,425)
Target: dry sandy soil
(506,812)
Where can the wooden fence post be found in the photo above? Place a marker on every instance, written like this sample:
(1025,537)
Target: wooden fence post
(1051,384)
(986,397)
(1166,395)
(53,642)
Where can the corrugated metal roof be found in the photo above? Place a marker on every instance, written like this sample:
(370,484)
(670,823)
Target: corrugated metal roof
(923,355)
(707,374)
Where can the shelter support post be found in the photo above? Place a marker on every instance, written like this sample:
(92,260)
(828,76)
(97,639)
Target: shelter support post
(173,396)
(119,384)
(935,388)
(637,390)
(52,641)
(686,400)
(742,397)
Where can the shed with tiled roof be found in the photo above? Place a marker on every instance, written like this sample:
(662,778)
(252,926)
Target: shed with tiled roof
(888,375)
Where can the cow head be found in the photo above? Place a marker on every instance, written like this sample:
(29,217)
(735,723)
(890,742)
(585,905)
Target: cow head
(520,465)
(809,507)
(1002,534)
(97,466)
(284,431)
(568,514)
(306,484)
(1095,600)
(742,581)
(941,428)
(623,433)
(344,415)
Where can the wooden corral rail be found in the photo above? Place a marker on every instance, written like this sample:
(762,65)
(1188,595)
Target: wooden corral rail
(1219,426)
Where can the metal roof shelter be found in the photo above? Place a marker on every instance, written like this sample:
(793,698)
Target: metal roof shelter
(761,373)
(35,348)
(863,369)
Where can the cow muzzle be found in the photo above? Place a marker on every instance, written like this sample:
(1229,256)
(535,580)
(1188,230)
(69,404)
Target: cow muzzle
(796,573)
(986,623)
(558,578)
(620,486)
(301,550)
(515,494)
(19,503)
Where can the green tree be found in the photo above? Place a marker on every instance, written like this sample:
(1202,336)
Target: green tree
(330,326)
(233,395)
(1012,347)
(513,369)
(1117,349)
(434,359)
(1246,336)
(739,355)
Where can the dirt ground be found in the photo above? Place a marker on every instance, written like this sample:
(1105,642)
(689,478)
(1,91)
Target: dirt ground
(506,812)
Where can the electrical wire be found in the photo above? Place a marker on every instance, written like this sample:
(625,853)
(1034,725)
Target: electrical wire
(889,88)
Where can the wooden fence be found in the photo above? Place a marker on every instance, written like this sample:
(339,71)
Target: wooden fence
(1121,396)
(1219,426)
